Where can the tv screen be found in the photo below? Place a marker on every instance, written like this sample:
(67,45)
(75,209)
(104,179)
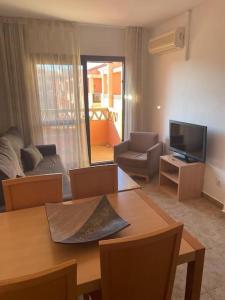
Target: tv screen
(188,140)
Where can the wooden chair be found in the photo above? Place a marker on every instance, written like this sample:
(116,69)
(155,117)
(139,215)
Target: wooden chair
(139,267)
(32,191)
(58,283)
(94,181)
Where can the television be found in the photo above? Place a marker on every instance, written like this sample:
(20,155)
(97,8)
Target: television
(189,140)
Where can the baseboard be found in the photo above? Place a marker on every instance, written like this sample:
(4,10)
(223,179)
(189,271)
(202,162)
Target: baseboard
(213,200)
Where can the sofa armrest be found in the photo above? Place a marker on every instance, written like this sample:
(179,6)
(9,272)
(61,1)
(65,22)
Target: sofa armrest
(47,149)
(153,158)
(120,148)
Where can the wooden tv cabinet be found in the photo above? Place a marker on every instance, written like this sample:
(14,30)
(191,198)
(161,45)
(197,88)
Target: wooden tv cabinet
(181,179)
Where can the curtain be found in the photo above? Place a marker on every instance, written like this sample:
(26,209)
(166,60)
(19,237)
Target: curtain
(133,80)
(56,93)
(41,90)
(13,93)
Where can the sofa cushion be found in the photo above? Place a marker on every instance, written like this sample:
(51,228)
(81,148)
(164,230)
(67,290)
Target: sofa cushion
(53,164)
(16,141)
(31,157)
(142,141)
(9,164)
(133,159)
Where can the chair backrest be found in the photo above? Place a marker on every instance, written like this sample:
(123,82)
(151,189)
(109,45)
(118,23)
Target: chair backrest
(58,283)
(141,267)
(142,141)
(30,191)
(94,181)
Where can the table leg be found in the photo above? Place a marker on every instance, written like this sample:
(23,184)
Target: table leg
(194,276)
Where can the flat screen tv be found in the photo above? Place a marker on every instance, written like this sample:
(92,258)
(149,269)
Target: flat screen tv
(188,140)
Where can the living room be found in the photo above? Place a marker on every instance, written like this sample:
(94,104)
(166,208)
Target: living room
(44,87)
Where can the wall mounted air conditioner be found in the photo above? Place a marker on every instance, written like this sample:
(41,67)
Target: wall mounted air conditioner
(169,41)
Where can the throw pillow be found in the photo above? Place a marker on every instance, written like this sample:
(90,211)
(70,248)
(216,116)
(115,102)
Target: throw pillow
(9,163)
(31,157)
(16,141)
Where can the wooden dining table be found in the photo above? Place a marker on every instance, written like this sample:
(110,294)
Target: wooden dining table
(26,246)
(125,182)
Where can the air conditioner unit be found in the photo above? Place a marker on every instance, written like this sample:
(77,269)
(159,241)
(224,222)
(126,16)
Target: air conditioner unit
(169,41)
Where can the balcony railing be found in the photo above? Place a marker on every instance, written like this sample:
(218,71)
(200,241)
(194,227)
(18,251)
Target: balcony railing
(57,117)
(103,113)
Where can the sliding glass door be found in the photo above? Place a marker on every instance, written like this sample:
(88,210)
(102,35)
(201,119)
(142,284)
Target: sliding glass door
(104,104)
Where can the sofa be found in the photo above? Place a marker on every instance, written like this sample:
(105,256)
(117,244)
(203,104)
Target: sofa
(12,162)
(140,155)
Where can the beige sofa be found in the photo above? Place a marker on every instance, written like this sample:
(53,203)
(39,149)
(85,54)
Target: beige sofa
(140,155)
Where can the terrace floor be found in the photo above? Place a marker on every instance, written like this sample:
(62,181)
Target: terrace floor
(101,153)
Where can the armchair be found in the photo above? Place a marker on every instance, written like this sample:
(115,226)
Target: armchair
(140,155)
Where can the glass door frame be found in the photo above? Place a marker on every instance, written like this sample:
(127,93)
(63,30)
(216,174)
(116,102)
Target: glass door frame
(93,58)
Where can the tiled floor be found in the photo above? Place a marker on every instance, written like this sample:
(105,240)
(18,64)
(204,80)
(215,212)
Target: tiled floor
(101,153)
(207,223)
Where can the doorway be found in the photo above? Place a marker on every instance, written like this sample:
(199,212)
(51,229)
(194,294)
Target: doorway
(104,105)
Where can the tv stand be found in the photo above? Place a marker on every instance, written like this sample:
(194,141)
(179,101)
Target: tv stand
(184,158)
(181,179)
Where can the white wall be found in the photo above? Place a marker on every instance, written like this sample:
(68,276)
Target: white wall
(102,40)
(194,90)
(110,41)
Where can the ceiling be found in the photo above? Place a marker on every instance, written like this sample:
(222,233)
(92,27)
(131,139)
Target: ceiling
(108,12)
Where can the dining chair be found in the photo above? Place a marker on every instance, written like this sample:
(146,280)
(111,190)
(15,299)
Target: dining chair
(94,181)
(30,191)
(139,267)
(58,283)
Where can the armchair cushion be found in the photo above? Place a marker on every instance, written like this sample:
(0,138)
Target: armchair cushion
(133,159)
(142,141)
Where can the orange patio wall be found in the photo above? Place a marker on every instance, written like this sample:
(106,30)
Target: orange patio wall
(103,132)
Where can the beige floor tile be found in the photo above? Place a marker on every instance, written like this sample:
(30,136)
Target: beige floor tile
(206,296)
(218,294)
(207,223)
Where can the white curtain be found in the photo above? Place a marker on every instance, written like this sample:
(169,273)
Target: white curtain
(133,80)
(43,83)
(56,93)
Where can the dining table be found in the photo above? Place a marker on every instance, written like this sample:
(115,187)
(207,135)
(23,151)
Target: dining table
(26,246)
(125,182)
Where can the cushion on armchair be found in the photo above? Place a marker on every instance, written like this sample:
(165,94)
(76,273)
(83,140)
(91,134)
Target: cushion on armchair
(142,141)
(133,159)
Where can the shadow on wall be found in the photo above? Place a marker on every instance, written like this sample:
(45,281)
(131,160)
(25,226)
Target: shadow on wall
(214,183)
(216,149)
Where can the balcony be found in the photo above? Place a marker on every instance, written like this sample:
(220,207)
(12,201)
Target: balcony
(59,125)
(104,133)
